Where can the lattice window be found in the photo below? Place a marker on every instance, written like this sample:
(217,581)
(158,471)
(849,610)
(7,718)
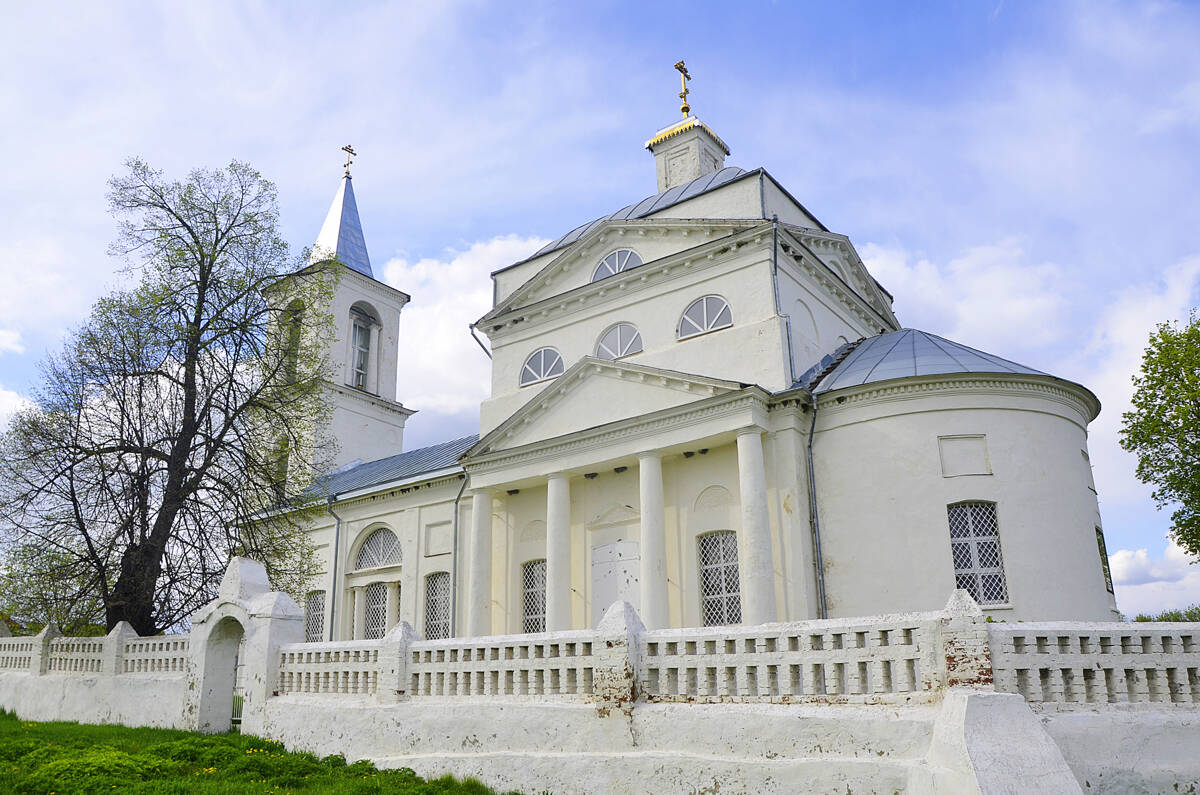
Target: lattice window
(375,614)
(314,617)
(533,596)
(437,606)
(620,260)
(709,313)
(1104,559)
(542,364)
(975,547)
(720,595)
(621,340)
(381,548)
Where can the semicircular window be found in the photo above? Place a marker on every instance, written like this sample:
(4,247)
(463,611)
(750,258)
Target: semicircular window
(705,314)
(381,548)
(542,364)
(621,340)
(620,260)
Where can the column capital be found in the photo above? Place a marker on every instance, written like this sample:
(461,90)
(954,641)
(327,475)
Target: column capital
(751,429)
(558,476)
(649,454)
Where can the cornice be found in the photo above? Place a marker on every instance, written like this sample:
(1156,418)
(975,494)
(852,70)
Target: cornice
(371,399)
(897,390)
(389,491)
(647,275)
(631,428)
(826,277)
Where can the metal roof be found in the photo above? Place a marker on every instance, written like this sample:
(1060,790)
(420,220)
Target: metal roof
(396,467)
(650,205)
(342,234)
(903,354)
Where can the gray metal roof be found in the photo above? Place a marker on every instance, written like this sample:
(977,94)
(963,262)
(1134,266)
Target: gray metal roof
(903,354)
(342,234)
(650,205)
(396,467)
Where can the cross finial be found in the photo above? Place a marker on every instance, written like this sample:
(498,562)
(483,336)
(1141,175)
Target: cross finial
(684,77)
(350,155)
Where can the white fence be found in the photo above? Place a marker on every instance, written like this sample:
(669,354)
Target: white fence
(350,668)
(1071,664)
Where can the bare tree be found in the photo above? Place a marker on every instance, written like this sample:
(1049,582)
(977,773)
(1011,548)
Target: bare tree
(175,425)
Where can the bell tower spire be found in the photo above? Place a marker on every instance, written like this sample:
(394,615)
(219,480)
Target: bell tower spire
(341,235)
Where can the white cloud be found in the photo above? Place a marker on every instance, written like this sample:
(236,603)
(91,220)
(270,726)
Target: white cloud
(10,403)
(1146,584)
(442,370)
(10,341)
(990,297)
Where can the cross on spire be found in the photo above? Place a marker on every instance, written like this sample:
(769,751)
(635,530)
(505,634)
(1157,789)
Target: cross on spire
(350,155)
(684,77)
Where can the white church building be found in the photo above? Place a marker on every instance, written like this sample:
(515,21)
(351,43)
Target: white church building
(701,404)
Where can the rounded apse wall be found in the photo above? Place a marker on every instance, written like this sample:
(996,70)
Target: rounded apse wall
(890,457)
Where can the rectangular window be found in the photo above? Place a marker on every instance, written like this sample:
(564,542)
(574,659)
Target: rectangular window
(437,606)
(975,546)
(1104,559)
(362,351)
(720,592)
(375,617)
(314,617)
(533,596)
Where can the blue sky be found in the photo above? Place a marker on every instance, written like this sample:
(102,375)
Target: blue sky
(1021,176)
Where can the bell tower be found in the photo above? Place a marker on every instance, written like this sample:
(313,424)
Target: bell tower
(368,420)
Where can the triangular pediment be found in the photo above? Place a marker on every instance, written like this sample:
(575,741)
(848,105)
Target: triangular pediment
(837,255)
(596,392)
(573,267)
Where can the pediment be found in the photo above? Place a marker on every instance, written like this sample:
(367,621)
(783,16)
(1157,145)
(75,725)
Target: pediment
(653,239)
(596,392)
(839,257)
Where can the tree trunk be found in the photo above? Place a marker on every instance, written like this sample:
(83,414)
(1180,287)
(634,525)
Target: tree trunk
(132,596)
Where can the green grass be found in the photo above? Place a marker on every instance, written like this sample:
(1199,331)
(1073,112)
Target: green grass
(72,758)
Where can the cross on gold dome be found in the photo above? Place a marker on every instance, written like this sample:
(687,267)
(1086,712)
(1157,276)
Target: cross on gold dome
(684,77)
(350,155)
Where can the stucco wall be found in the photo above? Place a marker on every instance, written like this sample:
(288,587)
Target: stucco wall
(138,700)
(882,496)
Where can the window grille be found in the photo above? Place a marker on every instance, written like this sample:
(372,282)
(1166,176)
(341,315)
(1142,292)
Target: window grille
(709,313)
(361,337)
(1104,559)
(381,548)
(533,596)
(437,606)
(314,617)
(620,260)
(542,364)
(720,595)
(621,340)
(376,611)
(975,546)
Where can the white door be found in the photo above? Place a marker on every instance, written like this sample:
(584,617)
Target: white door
(614,576)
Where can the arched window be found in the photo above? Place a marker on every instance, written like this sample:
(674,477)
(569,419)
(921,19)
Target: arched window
(362,319)
(542,364)
(381,548)
(293,321)
(975,546)
(621,340)
(706,314)
(720,596)
(437,606)
(375,613)
(620,260)
(533,596)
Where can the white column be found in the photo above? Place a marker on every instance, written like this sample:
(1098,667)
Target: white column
(360,613)
(558,553)
(393,605)
(479,609)
(757,572)
(653,551)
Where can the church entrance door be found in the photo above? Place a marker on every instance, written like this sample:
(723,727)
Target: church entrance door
(614,576)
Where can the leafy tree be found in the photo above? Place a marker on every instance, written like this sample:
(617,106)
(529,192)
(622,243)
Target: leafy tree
(1190,614)
(185,409)
(1163,428)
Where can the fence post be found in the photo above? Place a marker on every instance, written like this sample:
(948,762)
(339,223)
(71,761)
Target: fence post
(617,659)
(393,658)
(965,652)
(114,647)
(41,648)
